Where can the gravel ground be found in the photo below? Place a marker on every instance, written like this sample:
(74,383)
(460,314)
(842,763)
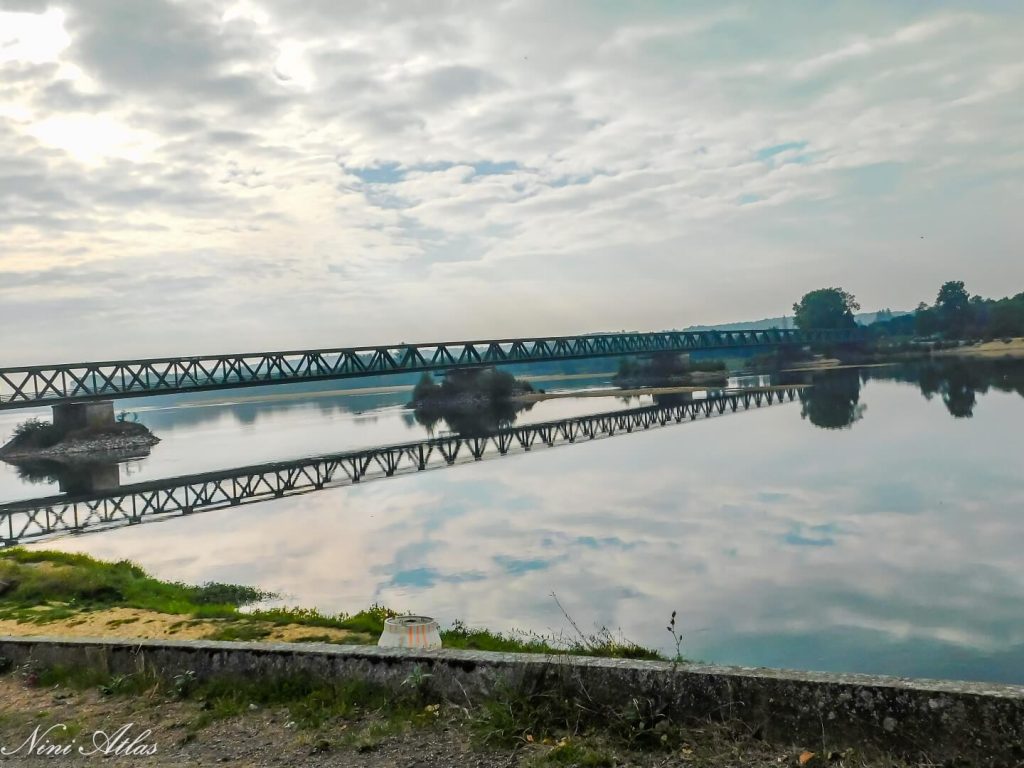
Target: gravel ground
(267,737)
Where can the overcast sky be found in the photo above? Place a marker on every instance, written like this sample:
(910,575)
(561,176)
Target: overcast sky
(193,177)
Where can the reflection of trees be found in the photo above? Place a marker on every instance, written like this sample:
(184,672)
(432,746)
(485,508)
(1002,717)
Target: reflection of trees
(40,471)
(957,381)
(668,399)
(471,420)
(958,392)
(71,476)
(834,400)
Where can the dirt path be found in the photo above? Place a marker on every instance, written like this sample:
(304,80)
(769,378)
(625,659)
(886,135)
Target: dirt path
(136,623)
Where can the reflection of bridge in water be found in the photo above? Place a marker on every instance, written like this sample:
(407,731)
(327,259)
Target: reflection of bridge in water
(160,499)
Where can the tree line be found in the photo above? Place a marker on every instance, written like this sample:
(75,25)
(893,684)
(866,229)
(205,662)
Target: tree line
(955,314)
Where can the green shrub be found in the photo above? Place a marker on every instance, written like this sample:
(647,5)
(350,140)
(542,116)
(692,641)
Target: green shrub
(34,433)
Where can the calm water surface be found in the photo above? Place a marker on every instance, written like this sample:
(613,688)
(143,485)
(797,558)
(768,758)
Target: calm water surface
(873,526)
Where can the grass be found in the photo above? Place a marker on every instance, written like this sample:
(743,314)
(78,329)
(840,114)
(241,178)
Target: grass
(39,577)
(574,753)
(45,586)
(239,631)
(602,643)
(41,587)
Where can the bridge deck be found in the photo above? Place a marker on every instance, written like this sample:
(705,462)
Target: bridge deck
(23,387)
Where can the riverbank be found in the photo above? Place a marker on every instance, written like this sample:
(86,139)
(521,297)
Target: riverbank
(68,595)
(998,349)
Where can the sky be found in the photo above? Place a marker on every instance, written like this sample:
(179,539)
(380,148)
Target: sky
(217,177)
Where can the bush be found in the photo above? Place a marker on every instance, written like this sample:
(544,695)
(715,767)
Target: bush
(34,433)
(475,383)
(664,368)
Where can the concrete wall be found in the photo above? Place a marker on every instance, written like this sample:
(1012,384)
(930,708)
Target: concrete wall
(982,722)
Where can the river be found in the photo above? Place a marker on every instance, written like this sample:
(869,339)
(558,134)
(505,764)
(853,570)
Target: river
(874,524)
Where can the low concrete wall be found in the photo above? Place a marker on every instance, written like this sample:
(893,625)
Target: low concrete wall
(982,722)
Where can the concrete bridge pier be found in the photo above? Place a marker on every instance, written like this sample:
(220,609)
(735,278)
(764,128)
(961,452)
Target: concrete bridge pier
(89,478)
(68,417)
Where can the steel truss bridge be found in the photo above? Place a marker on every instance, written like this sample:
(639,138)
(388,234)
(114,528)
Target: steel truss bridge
(26,521)
(75,382)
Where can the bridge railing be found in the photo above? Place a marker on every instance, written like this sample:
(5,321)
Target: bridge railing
(52,384)
(34,519)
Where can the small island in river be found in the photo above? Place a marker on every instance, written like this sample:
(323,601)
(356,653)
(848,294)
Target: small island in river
(472,401)
(35,439)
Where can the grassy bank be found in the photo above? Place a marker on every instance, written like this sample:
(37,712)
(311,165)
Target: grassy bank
(56,593)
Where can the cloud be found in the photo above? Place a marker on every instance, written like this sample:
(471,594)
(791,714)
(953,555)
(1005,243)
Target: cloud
(489,155)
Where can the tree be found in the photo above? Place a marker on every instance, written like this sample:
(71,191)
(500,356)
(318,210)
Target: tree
(826,308)
(926,321)
(953,297)
(954,307)
(1008,317)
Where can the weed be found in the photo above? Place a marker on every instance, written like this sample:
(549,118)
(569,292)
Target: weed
(603,642)
(515,716)
(239,631)
(215,593)
(127,684)
(576,754)
(418,685)
(318,639)
(183,684)
(677,638)
(373,735)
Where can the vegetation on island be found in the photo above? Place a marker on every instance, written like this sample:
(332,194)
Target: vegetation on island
(473,385)
(668,369)
(473,401)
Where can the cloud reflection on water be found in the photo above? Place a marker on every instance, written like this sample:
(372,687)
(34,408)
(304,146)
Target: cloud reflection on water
(892,547)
